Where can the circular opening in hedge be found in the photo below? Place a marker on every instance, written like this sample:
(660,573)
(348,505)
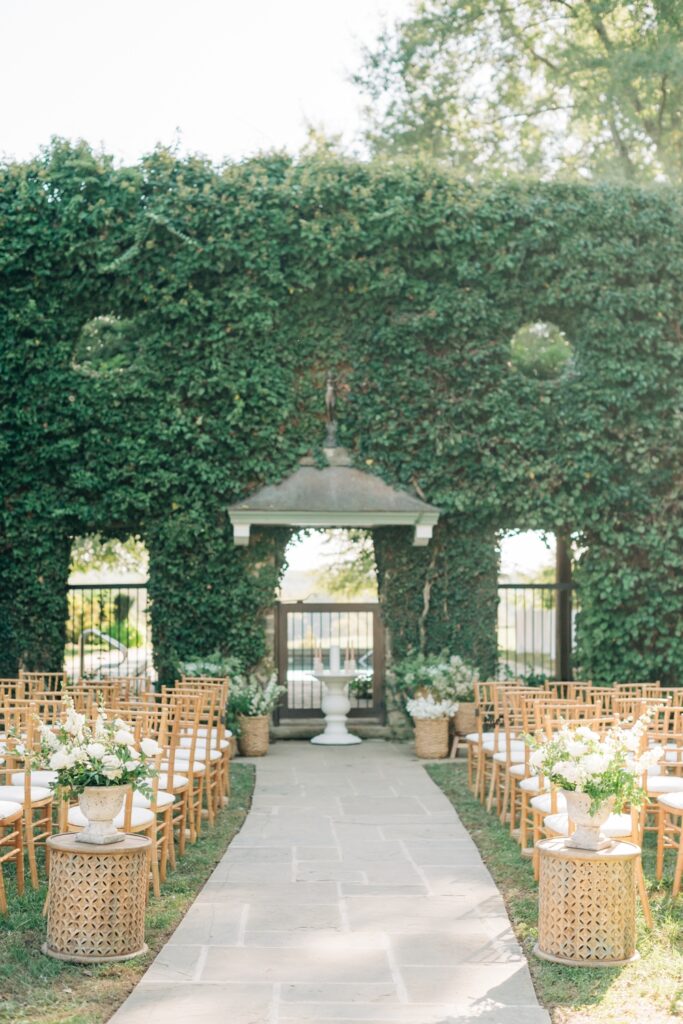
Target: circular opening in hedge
(103,344)
(541,351)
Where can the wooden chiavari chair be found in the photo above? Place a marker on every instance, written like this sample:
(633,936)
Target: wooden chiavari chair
(482,744)
(185,711)
(200,742)
(11,839)
(510,747)
(568,690)
(181,786)
(121,688)
(213,737)
(43,681)
(645,690)
(11,689)
(88,696)
(524,781)
(21,786)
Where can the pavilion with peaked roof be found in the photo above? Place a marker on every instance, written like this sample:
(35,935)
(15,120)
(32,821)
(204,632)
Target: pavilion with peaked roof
(337,494)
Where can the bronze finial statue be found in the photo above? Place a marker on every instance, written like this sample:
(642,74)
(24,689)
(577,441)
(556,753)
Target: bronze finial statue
(330,406)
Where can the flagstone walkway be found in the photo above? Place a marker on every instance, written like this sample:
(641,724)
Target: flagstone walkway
(352,893)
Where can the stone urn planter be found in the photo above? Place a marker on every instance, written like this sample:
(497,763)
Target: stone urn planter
(254,735)
(431,737)
(466,718)
(100,805)
(587,835)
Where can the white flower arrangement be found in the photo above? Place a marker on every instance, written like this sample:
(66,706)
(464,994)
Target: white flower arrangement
(102,754)
(427,707)
(449,677)
(249,697)
(579,760)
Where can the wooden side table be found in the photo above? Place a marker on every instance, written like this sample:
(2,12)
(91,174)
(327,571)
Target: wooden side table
(587,904)
(96,899)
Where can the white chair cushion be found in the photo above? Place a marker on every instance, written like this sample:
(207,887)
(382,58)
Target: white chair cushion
(8,808)
(162,801)
(533,784)
(183,754)
(40,778)
(616,826)
(15,794)
(543,803)
(500,745)
(672,801)
(177,782)
(664,784)
(473,737)
(519,770)
(183,767)
(140,817)
(516,756)
(186,742)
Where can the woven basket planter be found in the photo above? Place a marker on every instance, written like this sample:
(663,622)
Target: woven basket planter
(466,718)
(254,735)
(431,737)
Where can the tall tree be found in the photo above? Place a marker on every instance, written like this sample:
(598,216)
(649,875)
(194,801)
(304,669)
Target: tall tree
(554,87)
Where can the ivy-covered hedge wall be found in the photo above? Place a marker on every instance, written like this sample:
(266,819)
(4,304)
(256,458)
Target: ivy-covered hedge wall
(228,294)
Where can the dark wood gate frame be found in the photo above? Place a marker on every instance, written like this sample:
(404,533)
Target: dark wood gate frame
(377,711)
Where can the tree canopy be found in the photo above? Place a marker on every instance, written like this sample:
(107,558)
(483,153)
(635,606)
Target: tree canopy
(589,88)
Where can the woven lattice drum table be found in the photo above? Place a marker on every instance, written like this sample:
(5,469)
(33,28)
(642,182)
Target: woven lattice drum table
(96,900)
(587,904)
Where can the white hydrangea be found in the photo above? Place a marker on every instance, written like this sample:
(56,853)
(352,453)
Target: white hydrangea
(427,707)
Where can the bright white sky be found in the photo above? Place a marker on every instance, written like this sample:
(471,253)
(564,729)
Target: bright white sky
(222,77)
(520,554)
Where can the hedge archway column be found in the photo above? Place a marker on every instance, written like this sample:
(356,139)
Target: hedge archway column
(207,595)
(34,576)
(442,597)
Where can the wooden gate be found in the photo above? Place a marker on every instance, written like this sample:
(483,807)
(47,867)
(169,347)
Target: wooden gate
(311,639)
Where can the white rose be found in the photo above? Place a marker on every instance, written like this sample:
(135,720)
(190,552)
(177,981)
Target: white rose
(536,758)
(130,766)
(124,736)
(114,773)
(595,764)
(49,737)
(69,759)
(149,747)
(133,754)
(96,750)
(569,771)
(74,723)
(58,760)
(575,748)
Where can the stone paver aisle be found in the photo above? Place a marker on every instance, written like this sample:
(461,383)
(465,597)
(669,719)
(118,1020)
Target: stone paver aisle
(352,893)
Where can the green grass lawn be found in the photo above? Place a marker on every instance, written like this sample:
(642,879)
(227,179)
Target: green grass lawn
(649,991)
(34,989)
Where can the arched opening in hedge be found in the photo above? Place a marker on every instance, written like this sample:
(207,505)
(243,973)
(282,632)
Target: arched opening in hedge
(108,632)
(328,619)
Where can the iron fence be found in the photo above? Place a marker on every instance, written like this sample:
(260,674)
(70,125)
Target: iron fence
(108,633)
(340,639)
(107,630)
(536,628)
